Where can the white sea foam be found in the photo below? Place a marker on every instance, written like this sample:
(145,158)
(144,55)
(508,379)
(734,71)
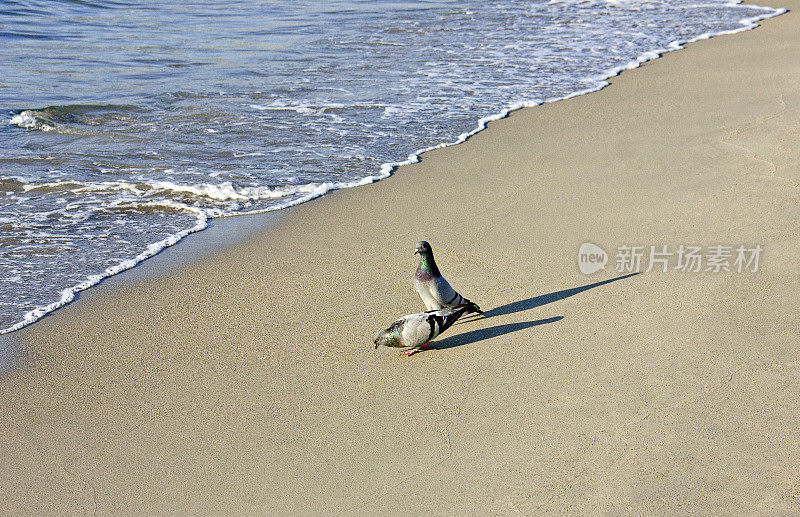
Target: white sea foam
(303,110)
(24,119)
(30,120)
(67,295)
(227,191)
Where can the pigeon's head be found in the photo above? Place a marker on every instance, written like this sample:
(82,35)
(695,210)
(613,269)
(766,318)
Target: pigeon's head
(380,338)
(388,337)
(423,248)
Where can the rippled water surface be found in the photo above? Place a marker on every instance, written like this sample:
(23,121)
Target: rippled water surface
(126,125)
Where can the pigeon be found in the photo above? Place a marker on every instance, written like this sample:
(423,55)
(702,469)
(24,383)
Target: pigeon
(434,290)
(415,331)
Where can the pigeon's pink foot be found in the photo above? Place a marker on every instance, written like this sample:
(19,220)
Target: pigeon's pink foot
(415,350)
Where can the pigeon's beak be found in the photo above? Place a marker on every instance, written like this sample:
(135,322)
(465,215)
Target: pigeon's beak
(417,250)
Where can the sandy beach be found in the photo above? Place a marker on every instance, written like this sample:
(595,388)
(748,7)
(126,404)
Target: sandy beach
(246,383)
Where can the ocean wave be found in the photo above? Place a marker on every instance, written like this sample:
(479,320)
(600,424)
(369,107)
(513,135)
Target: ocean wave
(30,119)
(73,119)
(227,191)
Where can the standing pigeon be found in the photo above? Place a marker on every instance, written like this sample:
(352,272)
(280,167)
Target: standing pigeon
(415,331)
(434,290)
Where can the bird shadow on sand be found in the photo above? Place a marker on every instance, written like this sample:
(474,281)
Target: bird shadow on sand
(542,299)
(474,336)
(510,308)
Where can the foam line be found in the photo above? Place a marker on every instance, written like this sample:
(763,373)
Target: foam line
(601,80)
(67,295)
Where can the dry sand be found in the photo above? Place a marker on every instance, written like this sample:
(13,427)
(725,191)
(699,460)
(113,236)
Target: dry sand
(245,384)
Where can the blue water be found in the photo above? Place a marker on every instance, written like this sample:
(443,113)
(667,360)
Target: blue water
(126,125)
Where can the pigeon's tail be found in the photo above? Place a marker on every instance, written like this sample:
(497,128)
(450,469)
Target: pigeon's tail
(451,315)
(467,307)
(472,307)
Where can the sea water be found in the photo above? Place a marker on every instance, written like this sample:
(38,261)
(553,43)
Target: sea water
(124,126)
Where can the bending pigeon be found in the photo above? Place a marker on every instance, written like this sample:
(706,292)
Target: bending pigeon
(434,290)
(415,331)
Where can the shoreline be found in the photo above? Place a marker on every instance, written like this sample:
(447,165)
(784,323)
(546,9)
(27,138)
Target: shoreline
(244,382)
(70,294)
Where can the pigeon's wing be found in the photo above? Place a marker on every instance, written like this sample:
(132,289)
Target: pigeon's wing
(446,295)
(450,298)
(446,317)
(416,329)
